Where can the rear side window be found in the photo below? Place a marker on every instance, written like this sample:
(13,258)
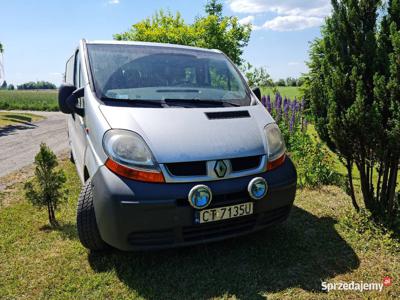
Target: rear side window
(69,70)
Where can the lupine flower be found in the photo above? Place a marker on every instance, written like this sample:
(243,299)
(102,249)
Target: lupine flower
(297,106)
(292,121)
(268,104)
(294,102)
(286,108)
(263,100)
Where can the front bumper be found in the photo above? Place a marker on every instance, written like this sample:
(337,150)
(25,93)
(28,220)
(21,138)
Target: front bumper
(133,215)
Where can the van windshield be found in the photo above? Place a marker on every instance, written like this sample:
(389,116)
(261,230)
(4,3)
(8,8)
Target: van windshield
(159,75)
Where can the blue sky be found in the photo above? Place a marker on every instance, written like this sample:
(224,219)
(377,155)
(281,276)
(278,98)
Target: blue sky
(39,36)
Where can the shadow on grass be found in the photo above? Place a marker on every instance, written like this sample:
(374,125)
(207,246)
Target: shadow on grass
(301,253)
(67,230)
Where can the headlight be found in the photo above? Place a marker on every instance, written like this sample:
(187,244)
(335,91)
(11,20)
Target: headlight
(130,157)
(128,148)
(276,146)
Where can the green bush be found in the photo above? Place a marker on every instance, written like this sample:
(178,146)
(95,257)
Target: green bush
(46,190)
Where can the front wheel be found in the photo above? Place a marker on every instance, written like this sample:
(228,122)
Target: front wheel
(88,231)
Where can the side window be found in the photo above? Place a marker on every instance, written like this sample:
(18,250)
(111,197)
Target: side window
(69,70)
(78,82)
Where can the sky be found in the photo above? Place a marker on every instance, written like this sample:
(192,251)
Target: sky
(39,36)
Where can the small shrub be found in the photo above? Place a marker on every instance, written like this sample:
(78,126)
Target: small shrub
(46,189)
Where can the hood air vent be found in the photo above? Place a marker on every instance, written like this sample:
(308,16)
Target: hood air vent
(228,115)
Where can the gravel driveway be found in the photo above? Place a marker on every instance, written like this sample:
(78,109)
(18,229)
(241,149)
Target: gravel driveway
(19,144)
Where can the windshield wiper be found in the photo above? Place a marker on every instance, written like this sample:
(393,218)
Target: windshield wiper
(154,103)
(198,101)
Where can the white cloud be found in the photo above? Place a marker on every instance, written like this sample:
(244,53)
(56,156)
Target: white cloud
(315,8)
(249,20)
(293,63)
(292,23)
(113,2)
(291,14)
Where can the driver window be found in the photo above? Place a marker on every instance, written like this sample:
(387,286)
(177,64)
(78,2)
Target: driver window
(78,79)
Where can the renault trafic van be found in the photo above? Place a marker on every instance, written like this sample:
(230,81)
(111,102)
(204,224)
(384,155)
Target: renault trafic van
(172,147)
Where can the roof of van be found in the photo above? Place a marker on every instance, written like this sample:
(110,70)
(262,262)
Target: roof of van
(113,42)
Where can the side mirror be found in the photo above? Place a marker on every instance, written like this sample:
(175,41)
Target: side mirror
(64,92)
(257,92)
(68,97)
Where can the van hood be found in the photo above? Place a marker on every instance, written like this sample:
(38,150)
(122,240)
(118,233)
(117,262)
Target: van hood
(188,134)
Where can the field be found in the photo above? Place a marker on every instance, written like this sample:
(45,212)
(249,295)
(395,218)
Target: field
(285,91)
(44,100)
(322,241)
(8,118)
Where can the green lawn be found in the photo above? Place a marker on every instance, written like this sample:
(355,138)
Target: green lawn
(285,91)
(45,100)
(320,242)
(11,118)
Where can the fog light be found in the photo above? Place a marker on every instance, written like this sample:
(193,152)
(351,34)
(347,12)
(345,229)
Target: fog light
(258,188)
(200,196)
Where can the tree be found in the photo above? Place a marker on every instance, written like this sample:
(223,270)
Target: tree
(257,76)
(354,88)
(291,81)
(221,32)
(46,190)
(161,28)
(4,85)
(1,48)
(213,31)
(11,87)
(39,85)
(281,82)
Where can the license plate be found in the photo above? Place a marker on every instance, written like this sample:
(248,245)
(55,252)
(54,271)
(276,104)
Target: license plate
(223,213)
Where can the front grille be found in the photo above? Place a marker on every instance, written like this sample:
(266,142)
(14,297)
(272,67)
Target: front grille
(199,168)
(195,168)
(152,238)
(218,229)
(245,163)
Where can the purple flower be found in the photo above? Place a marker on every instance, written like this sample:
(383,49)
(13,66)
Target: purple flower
(269,104)
(286,108)
(263,100)
(292,121)
(278,102)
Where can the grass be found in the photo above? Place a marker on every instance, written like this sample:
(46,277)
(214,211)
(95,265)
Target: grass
(285,91)
(8,118)
(320,242)
(44,100)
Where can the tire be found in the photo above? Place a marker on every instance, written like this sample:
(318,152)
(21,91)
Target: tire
(88,231)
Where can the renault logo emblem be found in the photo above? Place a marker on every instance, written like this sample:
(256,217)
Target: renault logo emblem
(220,168)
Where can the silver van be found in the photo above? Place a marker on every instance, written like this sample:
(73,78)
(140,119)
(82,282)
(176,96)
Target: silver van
(172,147)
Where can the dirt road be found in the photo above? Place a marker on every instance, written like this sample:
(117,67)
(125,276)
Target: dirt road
(20,143)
